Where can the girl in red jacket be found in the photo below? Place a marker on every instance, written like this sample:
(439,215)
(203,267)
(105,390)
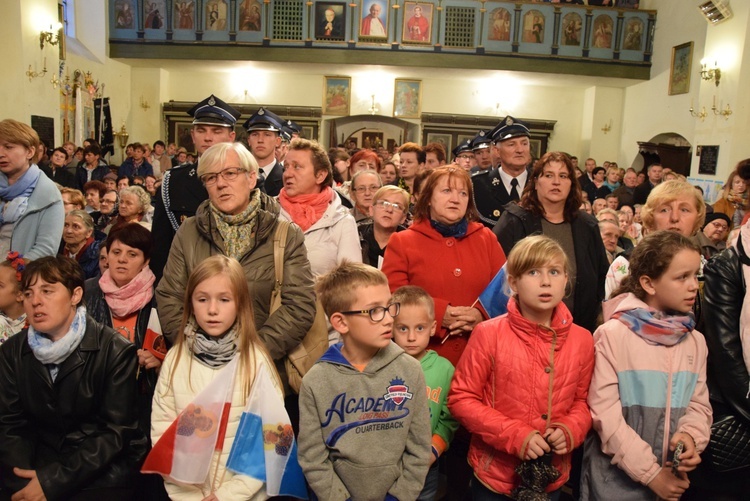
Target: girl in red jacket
(521,385)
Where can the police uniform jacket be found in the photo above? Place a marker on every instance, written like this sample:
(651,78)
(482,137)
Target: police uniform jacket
(490,195)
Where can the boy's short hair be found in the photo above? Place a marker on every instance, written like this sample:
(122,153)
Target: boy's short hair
(411,295)
(336,289)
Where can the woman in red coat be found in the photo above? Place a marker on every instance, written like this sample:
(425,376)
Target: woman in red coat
(449,254)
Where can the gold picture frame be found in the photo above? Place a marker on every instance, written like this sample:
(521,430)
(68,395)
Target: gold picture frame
(407,98)
(680,69)
(337,96)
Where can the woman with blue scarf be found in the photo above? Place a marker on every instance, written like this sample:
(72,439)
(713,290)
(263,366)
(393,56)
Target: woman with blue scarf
(447,253)
(31,208)
(69,427)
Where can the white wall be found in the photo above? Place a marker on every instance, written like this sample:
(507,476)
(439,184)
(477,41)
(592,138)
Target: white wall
(649,110)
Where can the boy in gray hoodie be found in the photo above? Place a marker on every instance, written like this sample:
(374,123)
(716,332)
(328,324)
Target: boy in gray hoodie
(364,417)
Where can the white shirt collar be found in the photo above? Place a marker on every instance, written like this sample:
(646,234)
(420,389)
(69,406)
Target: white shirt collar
(506,178)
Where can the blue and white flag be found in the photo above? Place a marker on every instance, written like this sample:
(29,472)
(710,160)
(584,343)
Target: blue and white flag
(264,447)
(493,299)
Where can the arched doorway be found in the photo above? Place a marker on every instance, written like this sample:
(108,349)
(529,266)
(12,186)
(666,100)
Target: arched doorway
(669,149)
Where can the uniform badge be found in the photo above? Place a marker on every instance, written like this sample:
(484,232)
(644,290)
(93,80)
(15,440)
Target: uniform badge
(192,172)
(481,133)
(495,181)
(398,392)
(508,121)
(496,213)
(212,101)
(261,112)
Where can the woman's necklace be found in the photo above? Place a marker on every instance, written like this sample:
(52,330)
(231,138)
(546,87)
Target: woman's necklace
(125,332)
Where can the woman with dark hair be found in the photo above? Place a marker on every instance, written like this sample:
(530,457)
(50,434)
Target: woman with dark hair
(69,427)
(445,225)
(550,205)
(123,298)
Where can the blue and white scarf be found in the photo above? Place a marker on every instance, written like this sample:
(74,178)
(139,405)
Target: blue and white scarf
(14,198)
(53,353)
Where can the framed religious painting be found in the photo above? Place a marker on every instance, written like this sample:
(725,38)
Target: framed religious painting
(374,21)
(337,96)
(407,98)
(417,27)
(679,72)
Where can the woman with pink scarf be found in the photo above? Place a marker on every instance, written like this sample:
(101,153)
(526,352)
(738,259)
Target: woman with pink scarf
(123,299)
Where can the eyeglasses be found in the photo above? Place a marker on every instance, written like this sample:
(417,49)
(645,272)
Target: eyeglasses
(108,202)
(378,312)
(229,174)
(363,189)
(385,204)
(465,157)
(720,226)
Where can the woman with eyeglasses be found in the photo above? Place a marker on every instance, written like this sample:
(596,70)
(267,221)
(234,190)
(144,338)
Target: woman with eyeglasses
(388,210)
(240,221)
(447,253)
(364,185)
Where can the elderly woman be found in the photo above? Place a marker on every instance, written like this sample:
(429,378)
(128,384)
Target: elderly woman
(550,205)
(388,210)
(364,185)
(445,225)
(308,200)
(79,243)
(713,237)
(671,205)
(734,200)
(240,221)
(69,427)
(109,207)
(134,207)
(31,209)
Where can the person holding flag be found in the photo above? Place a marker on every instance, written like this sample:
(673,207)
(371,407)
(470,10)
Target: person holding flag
(204,386)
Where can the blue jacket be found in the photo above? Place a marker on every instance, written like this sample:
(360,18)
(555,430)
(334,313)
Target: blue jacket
(129,169)
(38,232)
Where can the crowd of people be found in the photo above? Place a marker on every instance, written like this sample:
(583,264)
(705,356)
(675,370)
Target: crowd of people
(129,292)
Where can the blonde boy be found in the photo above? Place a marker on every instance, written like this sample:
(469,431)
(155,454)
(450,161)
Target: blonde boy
(412,328)
(364,417)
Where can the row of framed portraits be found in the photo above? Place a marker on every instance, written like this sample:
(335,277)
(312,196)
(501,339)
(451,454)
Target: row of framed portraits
(407,97)
(330,18)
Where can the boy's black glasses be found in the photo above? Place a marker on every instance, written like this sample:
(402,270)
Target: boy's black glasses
(378,312)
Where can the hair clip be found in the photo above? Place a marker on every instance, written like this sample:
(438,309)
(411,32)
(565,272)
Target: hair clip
(16,261)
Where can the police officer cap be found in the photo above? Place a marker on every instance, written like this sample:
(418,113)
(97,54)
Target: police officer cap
(214,111)
(481,141)
(462,147)
(508,128)
(264,119)
(286,134)
(293,126)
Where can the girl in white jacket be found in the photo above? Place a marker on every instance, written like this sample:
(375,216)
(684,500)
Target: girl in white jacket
(217,326)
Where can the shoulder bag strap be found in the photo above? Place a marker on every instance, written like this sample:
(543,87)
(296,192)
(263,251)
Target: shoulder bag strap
(279,244)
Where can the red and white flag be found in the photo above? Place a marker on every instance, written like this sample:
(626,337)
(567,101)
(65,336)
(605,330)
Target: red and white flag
(185,450)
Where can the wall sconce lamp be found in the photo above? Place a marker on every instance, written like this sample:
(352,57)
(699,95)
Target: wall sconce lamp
(144,104)
(702,114)
(711,73)
(51,37)
(373,109)
(719,112)
(36,74)
(607,126)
